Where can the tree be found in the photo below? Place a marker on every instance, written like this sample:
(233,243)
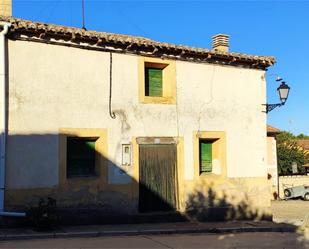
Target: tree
(302,136)
(289,151)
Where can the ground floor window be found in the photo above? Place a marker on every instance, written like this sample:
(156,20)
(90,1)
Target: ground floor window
(209,153)
(81,157)
(82,154)
(205,155)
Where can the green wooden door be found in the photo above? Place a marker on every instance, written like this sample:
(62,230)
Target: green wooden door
(157,187)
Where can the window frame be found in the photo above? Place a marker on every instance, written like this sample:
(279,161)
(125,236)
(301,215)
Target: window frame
(218,140)
(101,158)
(168,81)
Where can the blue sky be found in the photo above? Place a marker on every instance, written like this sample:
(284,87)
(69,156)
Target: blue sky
(278,28)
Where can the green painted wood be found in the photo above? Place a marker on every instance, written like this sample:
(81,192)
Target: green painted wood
(80,157)
(205,156)
(153,82)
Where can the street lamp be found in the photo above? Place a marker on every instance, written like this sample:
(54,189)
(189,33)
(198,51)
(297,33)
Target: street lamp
(283,91)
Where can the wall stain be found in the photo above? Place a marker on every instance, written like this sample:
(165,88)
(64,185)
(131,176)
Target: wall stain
(15,100)
(122,115)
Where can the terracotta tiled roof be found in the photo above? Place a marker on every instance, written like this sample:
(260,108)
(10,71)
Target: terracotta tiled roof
(272,130)
(303,143)
(56,34)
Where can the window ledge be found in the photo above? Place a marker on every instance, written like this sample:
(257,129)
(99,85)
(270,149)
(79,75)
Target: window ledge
(158,100)
(210,175)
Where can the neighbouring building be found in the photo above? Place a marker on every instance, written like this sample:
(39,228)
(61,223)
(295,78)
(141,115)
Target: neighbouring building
(131,125)
(297,179)
(272,162)
(304,144)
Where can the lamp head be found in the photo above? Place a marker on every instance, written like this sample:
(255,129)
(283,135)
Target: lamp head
(283,91)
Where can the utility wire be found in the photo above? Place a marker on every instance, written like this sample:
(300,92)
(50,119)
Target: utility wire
(111,113)
(83,14)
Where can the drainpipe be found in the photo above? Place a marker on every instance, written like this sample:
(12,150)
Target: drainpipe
(5,27)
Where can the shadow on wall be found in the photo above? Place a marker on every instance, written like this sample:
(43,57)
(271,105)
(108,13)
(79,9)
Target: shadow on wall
(38,169)
(210,207)
(38,166)
(105,193)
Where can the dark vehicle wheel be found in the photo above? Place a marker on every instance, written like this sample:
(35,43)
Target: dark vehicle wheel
(287,193)
(306,197)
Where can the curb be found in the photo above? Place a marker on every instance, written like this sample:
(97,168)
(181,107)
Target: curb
(91,234)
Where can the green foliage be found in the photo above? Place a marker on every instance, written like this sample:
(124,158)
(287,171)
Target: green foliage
(302,136)
(289,151)
(284,137)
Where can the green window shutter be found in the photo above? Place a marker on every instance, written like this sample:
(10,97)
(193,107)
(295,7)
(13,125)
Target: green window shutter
(153,82)
(80,156)
(205,156)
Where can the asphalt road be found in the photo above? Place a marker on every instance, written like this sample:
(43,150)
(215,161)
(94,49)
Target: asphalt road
(223,241)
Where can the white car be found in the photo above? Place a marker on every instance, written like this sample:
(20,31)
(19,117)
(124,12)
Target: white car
(297,191)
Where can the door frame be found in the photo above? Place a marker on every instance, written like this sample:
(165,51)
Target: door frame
(179,178)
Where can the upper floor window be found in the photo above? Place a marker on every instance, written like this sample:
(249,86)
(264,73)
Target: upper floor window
(157,81)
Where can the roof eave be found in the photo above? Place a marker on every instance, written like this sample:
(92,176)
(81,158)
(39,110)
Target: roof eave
(42,32)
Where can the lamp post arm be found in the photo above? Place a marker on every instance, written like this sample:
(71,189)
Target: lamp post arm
(270,107)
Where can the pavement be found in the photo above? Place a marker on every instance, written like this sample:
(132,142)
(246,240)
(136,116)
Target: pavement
(147,229)
(176,241)
(294,212)
(289,216)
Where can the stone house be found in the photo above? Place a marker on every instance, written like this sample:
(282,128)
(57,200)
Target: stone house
(130,125)
(304,145)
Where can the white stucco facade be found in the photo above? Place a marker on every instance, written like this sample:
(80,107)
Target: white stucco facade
(52,87)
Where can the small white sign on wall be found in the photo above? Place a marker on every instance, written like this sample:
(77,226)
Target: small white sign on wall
(157,140)
(126,154)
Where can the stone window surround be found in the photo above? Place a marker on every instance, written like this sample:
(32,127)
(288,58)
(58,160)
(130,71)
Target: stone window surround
(101,147)
(169,80)
(218,148)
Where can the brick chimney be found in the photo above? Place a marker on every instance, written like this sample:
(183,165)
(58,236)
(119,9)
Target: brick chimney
(220,42)
(6,7)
